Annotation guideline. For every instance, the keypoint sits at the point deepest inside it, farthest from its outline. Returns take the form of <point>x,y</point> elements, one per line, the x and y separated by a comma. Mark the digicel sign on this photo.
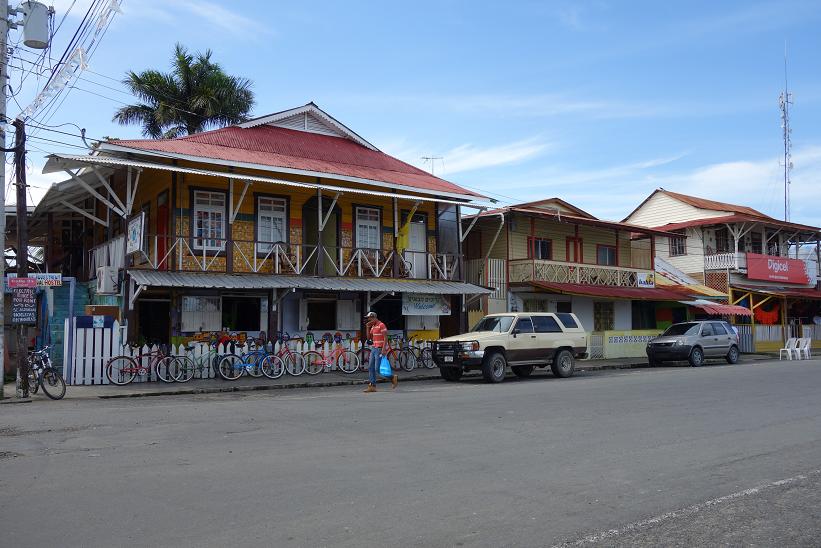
<point>777,269</point>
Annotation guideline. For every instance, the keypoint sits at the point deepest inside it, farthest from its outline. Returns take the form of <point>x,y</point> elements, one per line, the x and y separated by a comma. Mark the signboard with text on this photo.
<point>420,304</point>
<point>43,279</point>
<point>646,279</point>
<point>24,301</point>
<point>777,269</point>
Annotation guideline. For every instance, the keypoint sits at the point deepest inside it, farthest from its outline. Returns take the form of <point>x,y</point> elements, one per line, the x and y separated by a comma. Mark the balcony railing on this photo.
<point>724,261</point>
<point>186,253</point>
<point>527,270</point>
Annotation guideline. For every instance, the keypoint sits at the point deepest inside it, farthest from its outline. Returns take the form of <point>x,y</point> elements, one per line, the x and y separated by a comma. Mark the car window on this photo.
<point>524,325</point>
<point>499,324</point>
<point>567,320</point>
<point>707,331</point>
<point>689,328</point>
<point>545,324</point>
<point>718,328</point>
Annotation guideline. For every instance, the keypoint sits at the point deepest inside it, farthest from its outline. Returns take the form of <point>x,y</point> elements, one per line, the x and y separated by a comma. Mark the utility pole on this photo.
<point>22,247</point>
<point>4,30</point>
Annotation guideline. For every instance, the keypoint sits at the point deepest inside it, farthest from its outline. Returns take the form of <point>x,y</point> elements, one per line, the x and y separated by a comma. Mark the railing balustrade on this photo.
<point>526,270</point>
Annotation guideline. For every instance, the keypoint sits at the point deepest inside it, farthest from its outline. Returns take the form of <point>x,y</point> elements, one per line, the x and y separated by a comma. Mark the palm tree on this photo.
<point>196,95</point>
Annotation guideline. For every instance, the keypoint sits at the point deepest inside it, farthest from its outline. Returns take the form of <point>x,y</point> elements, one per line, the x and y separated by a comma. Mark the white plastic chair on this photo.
<point>804,348</point>
<point>790,349</point>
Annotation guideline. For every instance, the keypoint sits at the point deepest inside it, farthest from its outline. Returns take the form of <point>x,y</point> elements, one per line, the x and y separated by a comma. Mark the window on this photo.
<point>678,246</point>
<point>606,255</point>
<point>322,315</point>
<point>209,220</point>
<point>524,325</point>
<point>368,227</point>
<point>545,324</point>
<point>241,313</point>
<point>707,330</point>
<point>272,222</point>
<point>539,248</point>
<point>688,328</point>
<point>719,328</point>
<point>494,323</point>
<point>756,245</point>
<point>723,241</point>
<point>567,320</point>
<point>200,314</point>
<point>574,250</point>
<point>603,316</point>
<point>534,305</point>
<point>564,306</point>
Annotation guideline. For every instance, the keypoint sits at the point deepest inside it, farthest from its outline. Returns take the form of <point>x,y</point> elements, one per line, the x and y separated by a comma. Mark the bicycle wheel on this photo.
<point>364,358</point>
<point>183,368</point>
<point>254,362</point>
<point>314,362</point>
<point>294,363</point>
<point>121,370</point>
<point>426,358</point>
<point>53,384</point>
<point>230,367</point>
<point>34,381</point>
<point>272,366</point>
<point>407,360</point>
<point>348,362</point>
<point>167,369</point>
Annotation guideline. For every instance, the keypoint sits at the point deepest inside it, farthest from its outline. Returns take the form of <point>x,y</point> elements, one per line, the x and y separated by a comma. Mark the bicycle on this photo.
<point>395,357</point>
<point>122,370</point>
<point>256,363</point>
<point>423,356</point>
<point>346,360</point>
<point>294,361</point>
<point>183,368</point>
<point>42,373</point>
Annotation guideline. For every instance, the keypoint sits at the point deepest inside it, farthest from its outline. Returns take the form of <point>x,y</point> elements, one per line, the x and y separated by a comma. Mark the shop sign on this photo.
<point>134,233</point>
<point>646,279</point>
<point>15,282</point>
<point>777,269</point>
<point>44,279</point>
<point>23,301</point>
<point>421,304</point>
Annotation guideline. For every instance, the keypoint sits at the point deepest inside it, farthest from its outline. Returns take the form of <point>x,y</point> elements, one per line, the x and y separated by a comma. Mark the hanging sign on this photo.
<point>23,300</point>
<point>44,279</point>
<point>134,233</point>
<point>646,279</point>
<point>422,304</point>
<point>777,269</point>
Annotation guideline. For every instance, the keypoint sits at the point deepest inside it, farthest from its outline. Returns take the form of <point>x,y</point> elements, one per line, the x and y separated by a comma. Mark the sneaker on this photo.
<point>370,388</point>
<point>394,381</point>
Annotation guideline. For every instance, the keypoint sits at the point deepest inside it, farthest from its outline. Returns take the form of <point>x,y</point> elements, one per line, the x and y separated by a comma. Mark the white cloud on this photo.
<point>228,20</point>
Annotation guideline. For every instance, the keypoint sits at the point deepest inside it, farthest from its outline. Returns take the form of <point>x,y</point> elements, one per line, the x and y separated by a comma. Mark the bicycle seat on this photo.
<point>189,348</point>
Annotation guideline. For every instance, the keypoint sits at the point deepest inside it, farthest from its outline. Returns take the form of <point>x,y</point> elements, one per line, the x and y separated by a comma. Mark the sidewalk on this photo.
<point>324,380</point>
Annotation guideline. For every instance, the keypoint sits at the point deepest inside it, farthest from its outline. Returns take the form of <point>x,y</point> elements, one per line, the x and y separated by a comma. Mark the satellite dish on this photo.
<point>35,25</point>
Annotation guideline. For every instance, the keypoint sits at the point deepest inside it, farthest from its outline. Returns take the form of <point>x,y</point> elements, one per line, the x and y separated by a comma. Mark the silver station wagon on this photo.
<point>695,342</point>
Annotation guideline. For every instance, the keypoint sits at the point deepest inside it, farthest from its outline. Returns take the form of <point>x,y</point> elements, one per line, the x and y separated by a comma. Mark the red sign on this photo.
<point>22,282</point>
<point>777,269</point>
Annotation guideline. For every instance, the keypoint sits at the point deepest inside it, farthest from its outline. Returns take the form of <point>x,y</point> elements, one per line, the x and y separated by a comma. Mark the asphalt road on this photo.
<point>719,455</point>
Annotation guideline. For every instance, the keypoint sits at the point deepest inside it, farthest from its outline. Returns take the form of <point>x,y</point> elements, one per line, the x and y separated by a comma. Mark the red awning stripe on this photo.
<point>715,309</point>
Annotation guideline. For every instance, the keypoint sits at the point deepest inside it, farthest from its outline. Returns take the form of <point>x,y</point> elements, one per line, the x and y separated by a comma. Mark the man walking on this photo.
<point>377,334</point>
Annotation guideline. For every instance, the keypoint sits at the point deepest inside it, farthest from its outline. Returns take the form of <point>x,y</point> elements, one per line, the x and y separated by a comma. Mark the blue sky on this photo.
<point>598,103</point>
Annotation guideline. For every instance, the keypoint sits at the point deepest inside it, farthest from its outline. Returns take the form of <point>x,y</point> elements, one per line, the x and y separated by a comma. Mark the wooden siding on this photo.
<point>662,209</point>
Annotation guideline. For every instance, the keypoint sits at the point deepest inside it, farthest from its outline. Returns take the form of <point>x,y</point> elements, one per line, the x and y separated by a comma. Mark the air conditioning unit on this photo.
<point>106,280</point>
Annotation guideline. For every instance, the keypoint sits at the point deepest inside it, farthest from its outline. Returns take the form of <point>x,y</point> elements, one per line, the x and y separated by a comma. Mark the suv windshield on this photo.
<point>681,329</point>
<point>494,323</point>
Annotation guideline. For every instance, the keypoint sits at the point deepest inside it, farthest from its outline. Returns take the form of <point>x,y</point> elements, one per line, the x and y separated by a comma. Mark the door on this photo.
<point>548,333</point>
<point>521,343</point>
<point>416,253</point>
<point>709,341</point>
<point>723,338</point>
<point>320,263</point>
<point>162,230</point>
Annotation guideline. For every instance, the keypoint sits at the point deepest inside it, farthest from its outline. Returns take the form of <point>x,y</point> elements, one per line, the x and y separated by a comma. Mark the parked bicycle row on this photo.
<point>258,359</point>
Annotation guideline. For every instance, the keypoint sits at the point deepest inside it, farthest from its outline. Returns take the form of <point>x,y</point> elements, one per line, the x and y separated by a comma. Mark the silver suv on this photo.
<point>695,342</point>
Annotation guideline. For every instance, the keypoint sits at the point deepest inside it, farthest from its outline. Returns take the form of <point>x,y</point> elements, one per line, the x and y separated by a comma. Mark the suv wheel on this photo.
<point>450,374</point>
<point>493,368</point>
<point>522,371</point>
<point>696,357</point>
<point>732,355</point>
<point>563,364</point>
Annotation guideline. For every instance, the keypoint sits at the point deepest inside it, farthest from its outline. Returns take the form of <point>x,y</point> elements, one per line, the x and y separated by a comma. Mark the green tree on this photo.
<point>195,96</point>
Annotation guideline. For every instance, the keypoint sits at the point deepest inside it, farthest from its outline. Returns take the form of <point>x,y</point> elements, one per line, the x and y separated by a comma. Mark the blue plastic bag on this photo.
<point>385,367</point>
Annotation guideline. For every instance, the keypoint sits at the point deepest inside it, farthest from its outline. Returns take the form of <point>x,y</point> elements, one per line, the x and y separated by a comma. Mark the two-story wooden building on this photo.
<point>769,266</point>
<point>289,222</point>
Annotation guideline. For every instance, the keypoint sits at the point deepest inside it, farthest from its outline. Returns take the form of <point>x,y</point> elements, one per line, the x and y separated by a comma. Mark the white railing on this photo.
<point>724,261</point>
<point>558,272</point>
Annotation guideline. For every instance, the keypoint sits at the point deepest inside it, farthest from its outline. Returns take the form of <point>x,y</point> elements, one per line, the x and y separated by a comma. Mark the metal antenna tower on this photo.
<point>432,160</point>
<point>784,101</point>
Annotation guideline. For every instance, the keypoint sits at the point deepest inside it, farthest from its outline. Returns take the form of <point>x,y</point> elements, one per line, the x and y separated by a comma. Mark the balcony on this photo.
<point>187,254</point>
<point>527,270</point>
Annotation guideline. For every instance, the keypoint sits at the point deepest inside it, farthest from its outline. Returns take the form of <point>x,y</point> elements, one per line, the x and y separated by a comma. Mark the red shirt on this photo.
<point>378,333</point>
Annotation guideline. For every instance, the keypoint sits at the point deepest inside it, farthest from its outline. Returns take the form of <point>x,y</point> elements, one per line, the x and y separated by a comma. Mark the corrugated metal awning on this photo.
<point>207,280</point>
<point>718,309</point>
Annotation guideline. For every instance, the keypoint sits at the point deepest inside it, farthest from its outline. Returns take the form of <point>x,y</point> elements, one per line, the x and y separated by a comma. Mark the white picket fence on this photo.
<point>93,347</point>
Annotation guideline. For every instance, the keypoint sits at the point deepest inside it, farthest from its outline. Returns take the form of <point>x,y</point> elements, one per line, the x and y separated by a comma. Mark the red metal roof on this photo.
<point>716,309</point>
<point>735,218</point>
<point>301,150</point>
<point>704,203</point>
<point>633,293</point>
<point>793,292</point>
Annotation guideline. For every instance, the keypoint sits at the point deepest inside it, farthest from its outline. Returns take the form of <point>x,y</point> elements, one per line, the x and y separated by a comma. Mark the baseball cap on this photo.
<point>370,314</point>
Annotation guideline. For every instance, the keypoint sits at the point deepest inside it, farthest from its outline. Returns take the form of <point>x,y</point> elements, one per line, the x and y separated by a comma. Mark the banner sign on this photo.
<point>24,304</point>
<point>421,304</point>
<point>646,279</point>
<point>15,282</point>
<point>134,234</point>
<point>44,279</point>
<point>777,269</point>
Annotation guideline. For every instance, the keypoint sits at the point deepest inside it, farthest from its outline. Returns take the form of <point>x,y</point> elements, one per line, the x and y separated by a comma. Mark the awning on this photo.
<point>809,293</point>
<point>716,309</point>
<point>207,280</point>
<point>613,292</point>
